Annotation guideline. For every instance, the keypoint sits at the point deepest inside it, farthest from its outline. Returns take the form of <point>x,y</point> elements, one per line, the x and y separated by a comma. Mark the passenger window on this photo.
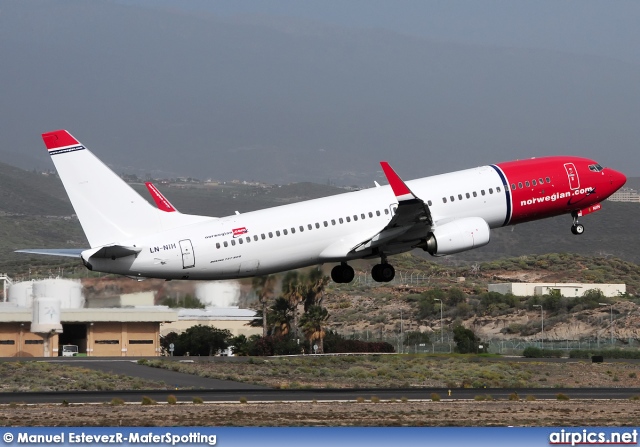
<point>513,186</point>
<point>520,185</point>
<point>225,244</point>
<point>301,228</point>
<point>293,230</point>
<point>370,214</point>
<point>240,241</point>
<point>394,209</point>
<point>285,232</point>
<point>263,236</point>
<point>429,203</point>
<point>333,221</point>
<point>377,213</point>
<point>475,194</point>
<point>217,244</point>
<point>548,180</point>
<point>326,224</point>
<point>341,220</point>
<point>452,199</point>
<point>459,196</point>
<point>526,184</point>
<point>317,225</point>
<point>386,211</point>
<point>482,191</point>
<point>490,190</point>
<point>540,181</point>
<point>255,238</point>
<point>278,233</point>
<point>348,219</point>
<point>270,234</point>
<point>362,216</point>
<point>533,182</point>
<point>498,189</point>
<point>309,226</point>
<point>233,242</point>
<point>444,200</point>
<point>355,217</point>
<point>248,239</point>
<point>468,195</point>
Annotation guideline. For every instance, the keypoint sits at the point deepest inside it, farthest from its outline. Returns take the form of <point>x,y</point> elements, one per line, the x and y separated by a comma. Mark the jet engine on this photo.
<point>456,236</point>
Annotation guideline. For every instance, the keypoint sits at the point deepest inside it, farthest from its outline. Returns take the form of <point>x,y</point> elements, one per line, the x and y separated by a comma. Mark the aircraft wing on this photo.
<point>66,252</point>
<point>411,211</point>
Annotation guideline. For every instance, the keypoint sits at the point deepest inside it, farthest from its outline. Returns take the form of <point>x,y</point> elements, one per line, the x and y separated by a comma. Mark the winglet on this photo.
<point>58,139</point>
<point>161,201</point>
<point>400,188</point>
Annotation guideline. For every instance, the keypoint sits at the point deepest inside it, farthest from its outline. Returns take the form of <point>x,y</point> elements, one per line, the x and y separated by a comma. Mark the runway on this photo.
<point>214,390</point>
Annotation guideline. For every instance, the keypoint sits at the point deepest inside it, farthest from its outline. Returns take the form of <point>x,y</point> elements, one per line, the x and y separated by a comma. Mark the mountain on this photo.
<point>165,92</point>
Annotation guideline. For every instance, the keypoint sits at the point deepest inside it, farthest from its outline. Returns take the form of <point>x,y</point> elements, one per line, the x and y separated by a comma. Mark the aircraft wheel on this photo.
<point>387,272</point>
<point>375,273</point>
<point>577,229</point>
<point>342,274</point>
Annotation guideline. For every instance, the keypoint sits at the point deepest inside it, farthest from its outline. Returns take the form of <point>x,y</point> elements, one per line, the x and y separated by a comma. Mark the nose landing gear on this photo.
<point>576,228</point>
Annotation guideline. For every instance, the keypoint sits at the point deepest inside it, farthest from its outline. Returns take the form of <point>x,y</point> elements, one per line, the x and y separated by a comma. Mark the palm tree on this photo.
<point>292,291</point>
<point>312,323</point>
<point>315,283</point>
<point>264,285</point>
<point>280,315</point>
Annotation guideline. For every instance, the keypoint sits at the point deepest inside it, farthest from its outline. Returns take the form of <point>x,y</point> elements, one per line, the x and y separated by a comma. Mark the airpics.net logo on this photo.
<point>557,196</point>
<point>588,437</point>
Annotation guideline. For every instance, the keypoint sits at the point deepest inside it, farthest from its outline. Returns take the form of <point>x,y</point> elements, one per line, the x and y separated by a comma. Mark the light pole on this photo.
<point>542,315</point>
<point>441,326</point>
<point>610,319</point>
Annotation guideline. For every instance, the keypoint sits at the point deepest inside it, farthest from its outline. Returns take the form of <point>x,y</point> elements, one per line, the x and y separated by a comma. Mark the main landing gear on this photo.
<point>382,272</point>
<point>576,228</point>
<point>342,273</point>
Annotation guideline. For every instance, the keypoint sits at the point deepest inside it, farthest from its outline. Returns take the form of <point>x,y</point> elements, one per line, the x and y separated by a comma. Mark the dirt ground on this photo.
<point>443,413</point>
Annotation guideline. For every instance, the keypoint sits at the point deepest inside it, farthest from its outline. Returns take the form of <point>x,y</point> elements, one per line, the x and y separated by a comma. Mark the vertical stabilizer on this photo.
<point>109,210</point>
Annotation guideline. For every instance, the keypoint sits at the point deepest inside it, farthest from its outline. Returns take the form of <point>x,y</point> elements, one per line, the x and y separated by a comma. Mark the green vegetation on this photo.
<point>43,376</point>
<point>533,352</point>
<point>606,353</point>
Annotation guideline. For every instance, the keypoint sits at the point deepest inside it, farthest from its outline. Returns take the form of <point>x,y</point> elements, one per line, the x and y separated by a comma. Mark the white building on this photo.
<point>566,289</point>
<point>625,195</point>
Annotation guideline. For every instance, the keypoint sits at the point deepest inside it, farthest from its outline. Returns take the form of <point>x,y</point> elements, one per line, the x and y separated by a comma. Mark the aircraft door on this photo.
<point>188,259</point>
<point>572,173</point>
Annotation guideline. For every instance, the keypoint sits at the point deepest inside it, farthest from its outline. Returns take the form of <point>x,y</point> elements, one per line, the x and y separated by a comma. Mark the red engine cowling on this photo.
<point>456,236</point>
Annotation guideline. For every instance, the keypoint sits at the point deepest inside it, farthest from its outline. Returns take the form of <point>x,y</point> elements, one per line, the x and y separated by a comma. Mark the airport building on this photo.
<point>38,318</point>
<point>571,290</point>
<point>625,195</point>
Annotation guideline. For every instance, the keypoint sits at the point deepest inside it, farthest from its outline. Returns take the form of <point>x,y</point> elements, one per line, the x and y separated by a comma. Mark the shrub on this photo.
<point>514,396</point>
<point>375,399</point>
<point>530,398</point>
<point>561,396</point>
<point>198,400</point>
<point>243,400</point>
<point>360,400</point>
<point>117,401</point>
<point>435,397</point>
<point>148,401</point>
<point>172,400</point>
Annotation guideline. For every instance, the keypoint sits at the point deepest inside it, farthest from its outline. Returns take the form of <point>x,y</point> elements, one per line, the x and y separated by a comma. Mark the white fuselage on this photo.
<point>305,233</point>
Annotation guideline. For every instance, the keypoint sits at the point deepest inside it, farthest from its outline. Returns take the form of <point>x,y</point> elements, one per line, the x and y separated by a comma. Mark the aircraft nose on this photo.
<point>618,179</point>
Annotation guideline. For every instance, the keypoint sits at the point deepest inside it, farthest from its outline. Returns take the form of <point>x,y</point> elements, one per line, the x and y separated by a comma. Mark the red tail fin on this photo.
<point>161,201</point>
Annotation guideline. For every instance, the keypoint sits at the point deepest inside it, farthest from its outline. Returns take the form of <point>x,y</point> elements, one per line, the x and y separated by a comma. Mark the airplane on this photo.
<point>442,214</point>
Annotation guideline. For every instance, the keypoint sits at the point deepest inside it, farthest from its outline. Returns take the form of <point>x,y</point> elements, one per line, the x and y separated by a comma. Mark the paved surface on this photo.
<point>172,378</point>
<point>253,395</point>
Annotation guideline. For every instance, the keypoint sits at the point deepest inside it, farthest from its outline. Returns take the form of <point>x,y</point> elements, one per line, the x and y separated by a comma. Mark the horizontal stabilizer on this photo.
<point>66,252</point>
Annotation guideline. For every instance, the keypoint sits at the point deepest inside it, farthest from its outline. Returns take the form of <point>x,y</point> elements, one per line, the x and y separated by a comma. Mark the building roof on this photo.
<point>217,313</point>
<point>151,314</point>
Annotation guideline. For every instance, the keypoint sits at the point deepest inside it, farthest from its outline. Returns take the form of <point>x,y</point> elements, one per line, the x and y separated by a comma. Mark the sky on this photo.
<point>290,91</point>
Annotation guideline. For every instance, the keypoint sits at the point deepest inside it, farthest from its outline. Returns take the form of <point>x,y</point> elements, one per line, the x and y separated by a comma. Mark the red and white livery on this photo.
<point>442,214</point>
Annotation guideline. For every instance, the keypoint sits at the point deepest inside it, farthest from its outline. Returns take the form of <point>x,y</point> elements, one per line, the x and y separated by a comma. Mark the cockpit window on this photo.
<point>595,168</point>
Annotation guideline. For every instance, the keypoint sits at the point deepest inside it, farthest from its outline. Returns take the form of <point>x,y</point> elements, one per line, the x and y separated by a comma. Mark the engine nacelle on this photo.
<point>456,236</point>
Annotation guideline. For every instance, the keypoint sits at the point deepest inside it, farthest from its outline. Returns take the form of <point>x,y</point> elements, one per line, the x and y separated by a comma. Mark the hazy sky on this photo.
<point>600,27</point>
<point>285,91</point>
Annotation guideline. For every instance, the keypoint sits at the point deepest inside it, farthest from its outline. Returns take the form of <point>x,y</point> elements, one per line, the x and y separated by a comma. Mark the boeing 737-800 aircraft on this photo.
<point>442,215</point>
